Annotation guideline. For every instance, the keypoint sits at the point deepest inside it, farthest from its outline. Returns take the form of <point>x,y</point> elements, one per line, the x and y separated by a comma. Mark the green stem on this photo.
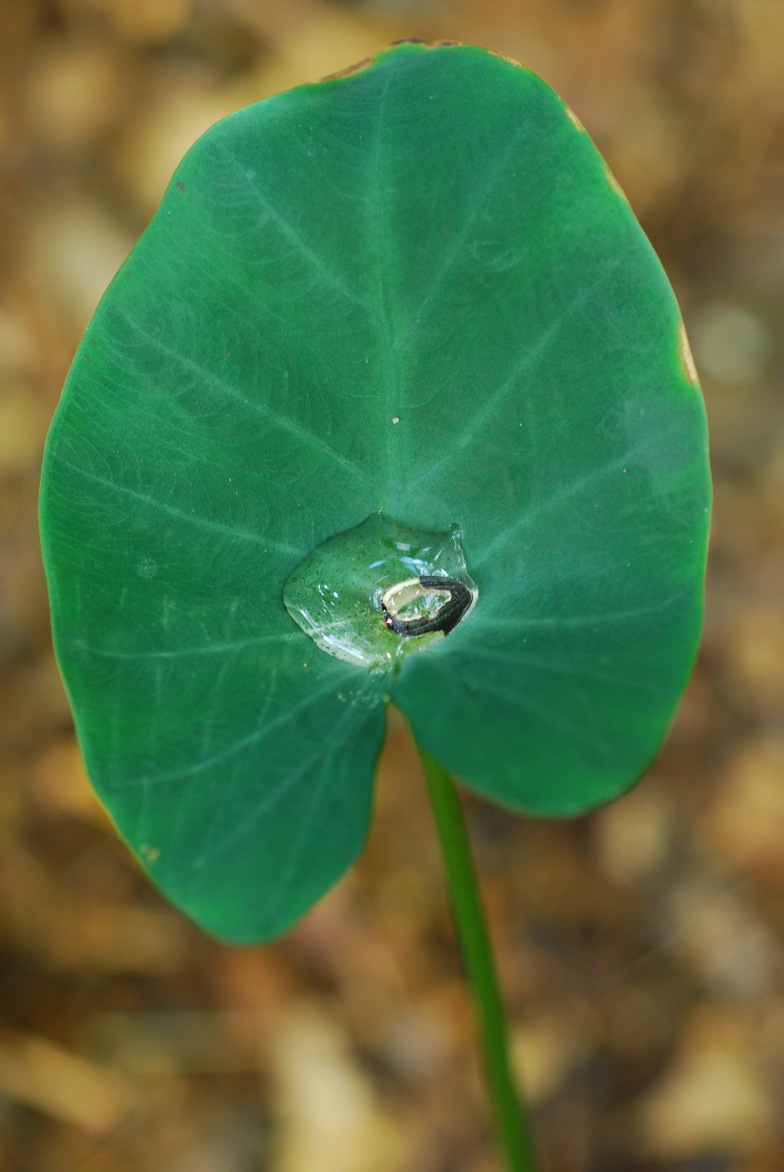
<point>510,1114</point>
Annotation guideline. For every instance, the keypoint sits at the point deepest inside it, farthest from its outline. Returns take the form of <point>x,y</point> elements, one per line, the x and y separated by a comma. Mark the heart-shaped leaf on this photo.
<point>412,291</point>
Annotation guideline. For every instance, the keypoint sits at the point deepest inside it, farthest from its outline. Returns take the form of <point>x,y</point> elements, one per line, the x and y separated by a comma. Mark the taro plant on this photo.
<point>391,404</point>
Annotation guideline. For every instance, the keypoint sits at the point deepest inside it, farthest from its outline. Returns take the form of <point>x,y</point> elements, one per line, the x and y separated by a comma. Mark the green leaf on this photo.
<point>416,291</point>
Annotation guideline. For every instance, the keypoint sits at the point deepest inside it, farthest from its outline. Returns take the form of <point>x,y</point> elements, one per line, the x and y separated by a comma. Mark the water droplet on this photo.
<point>360,594</point>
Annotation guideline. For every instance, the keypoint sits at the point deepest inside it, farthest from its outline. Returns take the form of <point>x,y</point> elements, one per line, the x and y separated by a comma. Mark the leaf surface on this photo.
<point>414,290</point>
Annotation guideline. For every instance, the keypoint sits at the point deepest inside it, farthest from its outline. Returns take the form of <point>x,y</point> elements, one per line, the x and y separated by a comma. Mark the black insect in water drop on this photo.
<point>456,604</point>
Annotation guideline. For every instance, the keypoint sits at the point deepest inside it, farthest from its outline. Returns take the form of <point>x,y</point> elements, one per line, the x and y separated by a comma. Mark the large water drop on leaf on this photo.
<point>364,594</point>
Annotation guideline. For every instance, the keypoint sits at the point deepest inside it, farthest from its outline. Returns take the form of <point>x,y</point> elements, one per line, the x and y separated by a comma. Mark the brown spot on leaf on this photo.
<point>509,60</point>
<point>613,182</point>
<point>570,114</point>
<point>427,44</point>
<point>365,63</point>
<point>180,186</point>
<point>687,358</point>
<point>369,61</point>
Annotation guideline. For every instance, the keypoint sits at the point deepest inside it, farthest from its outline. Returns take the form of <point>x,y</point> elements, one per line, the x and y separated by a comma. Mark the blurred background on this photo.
<point>642,948</point>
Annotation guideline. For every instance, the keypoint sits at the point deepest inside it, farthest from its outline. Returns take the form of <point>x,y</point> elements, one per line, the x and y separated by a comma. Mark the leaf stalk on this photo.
<point>510,1114</point>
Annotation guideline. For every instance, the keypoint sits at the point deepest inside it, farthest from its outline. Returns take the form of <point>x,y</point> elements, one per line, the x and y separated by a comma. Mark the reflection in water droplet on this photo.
<point>380,591</point>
